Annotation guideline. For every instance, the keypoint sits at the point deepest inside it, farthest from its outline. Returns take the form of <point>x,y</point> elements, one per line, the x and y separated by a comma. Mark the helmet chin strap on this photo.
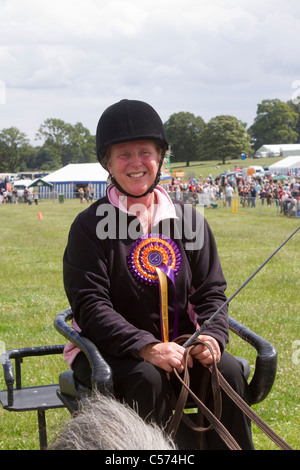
<point>149,190</point>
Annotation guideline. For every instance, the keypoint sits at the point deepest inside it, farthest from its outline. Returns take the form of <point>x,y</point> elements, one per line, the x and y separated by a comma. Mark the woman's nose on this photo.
<point>135,158</point>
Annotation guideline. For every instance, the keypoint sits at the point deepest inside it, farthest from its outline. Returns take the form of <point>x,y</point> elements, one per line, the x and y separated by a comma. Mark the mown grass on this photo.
<point>32,294</point>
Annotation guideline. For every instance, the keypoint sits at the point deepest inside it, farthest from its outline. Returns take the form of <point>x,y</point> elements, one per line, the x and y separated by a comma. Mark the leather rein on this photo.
<point>217,383</point>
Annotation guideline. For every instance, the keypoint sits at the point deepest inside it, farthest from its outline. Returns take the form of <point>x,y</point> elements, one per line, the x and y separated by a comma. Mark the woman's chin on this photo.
<point>136,189</point>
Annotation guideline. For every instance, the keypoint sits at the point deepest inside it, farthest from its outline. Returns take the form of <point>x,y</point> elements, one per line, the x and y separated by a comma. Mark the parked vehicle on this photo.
<point>253,170</point>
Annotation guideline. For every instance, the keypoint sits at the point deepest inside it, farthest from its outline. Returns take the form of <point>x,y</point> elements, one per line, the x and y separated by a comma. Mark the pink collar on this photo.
<point>164,208</point>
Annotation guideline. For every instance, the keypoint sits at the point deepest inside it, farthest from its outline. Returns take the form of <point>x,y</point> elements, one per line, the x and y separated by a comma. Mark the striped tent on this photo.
<point>68,179</point>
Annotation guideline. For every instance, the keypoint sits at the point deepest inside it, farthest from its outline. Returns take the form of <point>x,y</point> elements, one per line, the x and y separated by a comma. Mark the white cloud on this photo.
<point>70,59</point>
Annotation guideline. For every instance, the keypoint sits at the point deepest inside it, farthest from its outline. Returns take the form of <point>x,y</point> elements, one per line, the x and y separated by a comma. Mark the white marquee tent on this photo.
<point>287,166</point>
<point>280,150</point>
<point>66,180</point>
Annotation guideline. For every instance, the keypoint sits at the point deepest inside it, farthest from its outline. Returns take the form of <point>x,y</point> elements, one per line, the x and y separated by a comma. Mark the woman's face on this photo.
<point>134,165</point>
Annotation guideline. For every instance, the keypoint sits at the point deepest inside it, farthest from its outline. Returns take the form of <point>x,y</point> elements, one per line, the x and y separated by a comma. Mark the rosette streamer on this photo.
<point>153,260</point>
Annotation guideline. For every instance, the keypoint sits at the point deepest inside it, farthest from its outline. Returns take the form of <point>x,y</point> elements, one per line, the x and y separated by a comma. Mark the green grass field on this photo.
<point>32,294</point>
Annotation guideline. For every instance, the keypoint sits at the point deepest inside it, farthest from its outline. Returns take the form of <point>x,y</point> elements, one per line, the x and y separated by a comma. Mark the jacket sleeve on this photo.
<point>87,287</point>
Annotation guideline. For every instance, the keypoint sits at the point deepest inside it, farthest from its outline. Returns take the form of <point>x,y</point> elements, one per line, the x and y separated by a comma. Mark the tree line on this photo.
<point>190,138</point>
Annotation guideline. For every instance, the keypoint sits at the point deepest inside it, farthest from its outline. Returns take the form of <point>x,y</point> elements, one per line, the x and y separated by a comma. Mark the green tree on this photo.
<point>48,158</point>
<point>183,130</point>
<point>275,123</point>
<point>14,147</point>
<point>64,143</point>
<point>82,144</point>
<point>224,137</point>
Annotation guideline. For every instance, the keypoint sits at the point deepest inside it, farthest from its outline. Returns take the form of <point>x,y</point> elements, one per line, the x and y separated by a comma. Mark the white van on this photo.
<point>253,171</point>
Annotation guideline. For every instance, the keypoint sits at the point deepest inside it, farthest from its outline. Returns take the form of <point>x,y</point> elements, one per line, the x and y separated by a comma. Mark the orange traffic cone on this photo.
<point>40,216</point>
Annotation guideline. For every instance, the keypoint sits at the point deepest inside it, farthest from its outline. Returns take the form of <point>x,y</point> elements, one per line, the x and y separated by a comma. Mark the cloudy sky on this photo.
<point>70,59</point>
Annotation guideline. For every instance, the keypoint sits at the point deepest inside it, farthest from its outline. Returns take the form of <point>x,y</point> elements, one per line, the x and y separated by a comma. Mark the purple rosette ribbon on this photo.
<point>153,260</point>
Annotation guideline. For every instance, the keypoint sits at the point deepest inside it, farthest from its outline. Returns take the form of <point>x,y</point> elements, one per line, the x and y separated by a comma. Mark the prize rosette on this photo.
<point>153,260</point>
<point>154,251</point>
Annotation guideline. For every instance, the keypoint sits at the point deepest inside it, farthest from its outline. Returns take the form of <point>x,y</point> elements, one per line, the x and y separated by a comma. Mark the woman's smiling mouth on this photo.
<point>137,175</point>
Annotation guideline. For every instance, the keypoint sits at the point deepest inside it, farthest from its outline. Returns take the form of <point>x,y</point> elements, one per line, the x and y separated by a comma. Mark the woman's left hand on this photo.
<point>202,354</point>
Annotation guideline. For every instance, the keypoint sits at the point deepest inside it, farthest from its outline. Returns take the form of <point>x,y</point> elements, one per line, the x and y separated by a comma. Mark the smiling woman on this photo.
<point>131,295</point>
<point>134,165</point>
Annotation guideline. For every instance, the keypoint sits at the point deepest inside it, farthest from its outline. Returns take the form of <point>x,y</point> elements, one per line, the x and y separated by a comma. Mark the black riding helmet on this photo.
<point>130,120</point>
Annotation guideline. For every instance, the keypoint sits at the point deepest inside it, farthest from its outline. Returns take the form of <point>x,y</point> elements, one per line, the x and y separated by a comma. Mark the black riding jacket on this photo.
<point>117,311</point>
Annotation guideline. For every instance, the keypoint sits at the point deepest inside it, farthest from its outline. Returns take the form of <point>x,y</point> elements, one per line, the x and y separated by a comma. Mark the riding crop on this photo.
<point>214,421</point>
<point>207,323</point>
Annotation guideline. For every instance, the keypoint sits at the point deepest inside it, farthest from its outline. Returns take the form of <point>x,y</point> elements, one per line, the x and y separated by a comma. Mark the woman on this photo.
<point>140,270</point>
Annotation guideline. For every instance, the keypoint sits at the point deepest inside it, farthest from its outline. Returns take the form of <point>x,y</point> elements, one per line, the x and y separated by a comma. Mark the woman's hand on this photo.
<point>165,355</point>
<point>202,354</point>
<point>170,355</point>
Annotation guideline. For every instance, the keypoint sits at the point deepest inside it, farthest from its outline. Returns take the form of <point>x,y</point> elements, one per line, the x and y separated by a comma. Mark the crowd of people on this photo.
<point>15,196</point>
<point>85,193</point>
<point>284,194</point>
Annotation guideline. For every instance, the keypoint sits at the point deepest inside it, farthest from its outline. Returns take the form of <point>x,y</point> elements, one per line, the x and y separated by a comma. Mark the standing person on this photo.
<point>91,193</point>
<point>3,195</point>
<point>81,194</point>
<point>87,194</point>
<point>15,196</point>
<point>252,195</point>
<point>129,250</point>
<point>26,195</point>
<point>229,194</point>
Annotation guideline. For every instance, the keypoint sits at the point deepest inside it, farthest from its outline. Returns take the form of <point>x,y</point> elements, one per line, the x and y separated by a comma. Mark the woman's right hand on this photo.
<point>165,355</point>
